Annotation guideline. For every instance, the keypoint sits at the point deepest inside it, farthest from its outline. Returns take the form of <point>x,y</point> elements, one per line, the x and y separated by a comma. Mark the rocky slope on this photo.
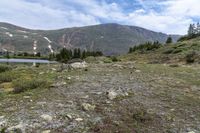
<point>109,38</point>
<point>123,97</point>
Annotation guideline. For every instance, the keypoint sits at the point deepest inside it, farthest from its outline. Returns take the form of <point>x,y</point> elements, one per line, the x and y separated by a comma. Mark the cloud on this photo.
<point>168,16</point>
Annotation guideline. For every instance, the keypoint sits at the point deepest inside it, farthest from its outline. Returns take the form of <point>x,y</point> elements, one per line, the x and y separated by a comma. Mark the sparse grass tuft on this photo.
<point>4,68</point>
<point>6,77</point>
<point>24,85</point>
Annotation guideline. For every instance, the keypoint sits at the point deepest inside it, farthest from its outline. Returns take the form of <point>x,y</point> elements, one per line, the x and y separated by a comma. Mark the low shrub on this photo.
<point>6,77</point>
<point>4,68</point>
<point>177,51</point>
<point>190,57</point>
<point>24,85</point>
<point>169,51</point>
<point>114,59</point>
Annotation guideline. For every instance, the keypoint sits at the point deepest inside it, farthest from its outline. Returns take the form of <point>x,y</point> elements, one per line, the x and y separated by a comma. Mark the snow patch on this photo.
<point>50,47</point>
<point>102,37</point>
<point>4,28</point>
<point>4,49</point>
<point>35,47</point>
<point>46,38</point>
<point>25,36</point>
<point>9,34</point>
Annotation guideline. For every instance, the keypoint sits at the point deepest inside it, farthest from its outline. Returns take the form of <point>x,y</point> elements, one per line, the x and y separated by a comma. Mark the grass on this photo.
<point>4,68</point>
<point>6,77</point>
<point>24,85</point>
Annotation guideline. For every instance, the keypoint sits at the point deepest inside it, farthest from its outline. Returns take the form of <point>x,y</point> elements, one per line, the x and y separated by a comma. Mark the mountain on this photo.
<point>111,39</point>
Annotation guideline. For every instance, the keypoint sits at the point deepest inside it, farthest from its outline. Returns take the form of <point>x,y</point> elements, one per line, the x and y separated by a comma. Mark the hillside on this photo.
<point>108,38</point>
<point>187,51</point>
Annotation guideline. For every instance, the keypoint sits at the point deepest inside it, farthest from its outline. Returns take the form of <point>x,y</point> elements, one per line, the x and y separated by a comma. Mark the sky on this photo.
<point>167,16</point>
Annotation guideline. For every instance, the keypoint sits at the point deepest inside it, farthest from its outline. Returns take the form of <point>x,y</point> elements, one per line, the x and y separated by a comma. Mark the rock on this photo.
<point>69,116</point>
<point>85,97</point>
<point>41,73</point>
<point>53,69</point>
<point>88,107</point>
<point>2,121</point>
<point>17,129</point>
<point>111,95</point>
<point>137,71</point>
<point>69,78</point>
<point>79,119</point>
<point>26,97</point>
<point>77,65</point>
<point>46,131</point>
<point>46,117</point>
<point>191,132</point>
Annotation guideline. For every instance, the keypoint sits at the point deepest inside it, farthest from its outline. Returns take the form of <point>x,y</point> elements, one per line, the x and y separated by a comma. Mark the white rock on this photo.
<point>69,116</point>
<point>137,71</point>
<point>88,107</point>
<point>46,117</point>
<point>78,65</point>
<point>19,128</point>
<point>111,95</point>
<point>191,132</point>
<point>79,119</point>
<point>69,78</point>
<point>46,131</point>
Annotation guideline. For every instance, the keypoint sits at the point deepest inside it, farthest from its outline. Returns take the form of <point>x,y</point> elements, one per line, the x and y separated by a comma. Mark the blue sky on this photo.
<point>168,16</point>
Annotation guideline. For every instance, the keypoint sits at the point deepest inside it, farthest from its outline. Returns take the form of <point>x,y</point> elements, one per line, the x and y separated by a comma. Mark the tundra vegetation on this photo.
<point>152,89</point>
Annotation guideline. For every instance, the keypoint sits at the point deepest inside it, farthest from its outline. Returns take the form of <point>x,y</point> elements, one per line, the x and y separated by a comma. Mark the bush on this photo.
<point>148,46</point>
<point>6,77</point>
<point>114,59</point>
<point>4,68</point>
<point>23,85</point>
<point>169,51</point>
<point>177,51</point>
<point>190,57</point>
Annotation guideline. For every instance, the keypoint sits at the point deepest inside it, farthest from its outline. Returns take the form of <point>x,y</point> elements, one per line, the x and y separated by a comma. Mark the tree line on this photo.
<point>67,54</point>
<point>145,47</point>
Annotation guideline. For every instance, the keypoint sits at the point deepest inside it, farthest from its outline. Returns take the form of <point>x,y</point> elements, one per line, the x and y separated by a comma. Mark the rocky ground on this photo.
<point>121,97</point>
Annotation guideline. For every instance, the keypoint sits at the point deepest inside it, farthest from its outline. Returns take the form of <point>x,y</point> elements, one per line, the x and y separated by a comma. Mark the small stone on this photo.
<point>69,116</point>
<point>27,97</point>
<point>41,73</point>
<point>46,131</point>
<point>69,78</point>
<point>137,71</point>
<point>85,97</point>
<point>191,132</point>
<point>111,95</point>
<point>53,69</point>
<point>46,117</point>
<point>79,119</point>
<point>88,107</point>
<point>17,129</point>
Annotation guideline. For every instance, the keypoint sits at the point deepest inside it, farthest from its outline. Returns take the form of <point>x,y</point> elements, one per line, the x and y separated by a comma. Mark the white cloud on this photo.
<point>169,16</point>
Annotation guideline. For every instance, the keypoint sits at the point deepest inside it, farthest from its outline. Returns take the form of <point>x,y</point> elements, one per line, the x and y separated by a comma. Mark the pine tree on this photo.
<point>169,40</point>
<point>84,54</point>
<point>191,29</point>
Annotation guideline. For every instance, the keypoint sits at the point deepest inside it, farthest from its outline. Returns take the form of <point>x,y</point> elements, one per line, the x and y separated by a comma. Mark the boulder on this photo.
<point>17,129</point>
<point>88,107</point>
<point>111,94</point>
<point>46,117</point>
<point>77,65</point>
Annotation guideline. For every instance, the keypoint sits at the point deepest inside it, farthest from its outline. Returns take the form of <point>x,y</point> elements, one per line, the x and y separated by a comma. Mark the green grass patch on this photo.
<point>24,85</point>
<point>4,68</point>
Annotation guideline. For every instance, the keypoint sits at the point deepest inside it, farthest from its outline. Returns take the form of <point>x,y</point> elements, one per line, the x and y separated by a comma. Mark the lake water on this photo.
<point>25,61</point>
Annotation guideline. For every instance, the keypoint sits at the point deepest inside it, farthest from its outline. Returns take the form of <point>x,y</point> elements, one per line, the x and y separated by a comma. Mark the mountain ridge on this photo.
<point>110,38</point>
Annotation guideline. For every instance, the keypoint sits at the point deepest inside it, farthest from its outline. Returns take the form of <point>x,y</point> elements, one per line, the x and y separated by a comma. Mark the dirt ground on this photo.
<point>121,97</point>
